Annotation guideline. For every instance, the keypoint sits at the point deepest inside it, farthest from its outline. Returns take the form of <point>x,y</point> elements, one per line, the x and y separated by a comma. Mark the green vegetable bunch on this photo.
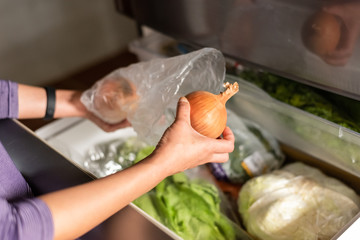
<point>191,208</point>
<point>109,157</point>
<point>301,96</point>
<point>316,102</point>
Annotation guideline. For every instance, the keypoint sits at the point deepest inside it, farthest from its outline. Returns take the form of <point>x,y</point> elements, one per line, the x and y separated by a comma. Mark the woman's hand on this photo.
<point>32,104</point>
<point>181,147</point>
<point>107,127</point>
<point>111,98</point>
<point>348,12</point>
<point>84,112</point>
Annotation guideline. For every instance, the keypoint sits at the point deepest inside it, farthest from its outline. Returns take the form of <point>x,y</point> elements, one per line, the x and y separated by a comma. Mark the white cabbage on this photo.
<point>297,202</point>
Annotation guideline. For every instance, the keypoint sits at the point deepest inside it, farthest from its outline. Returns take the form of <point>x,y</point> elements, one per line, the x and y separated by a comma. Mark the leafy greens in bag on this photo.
<point>256,152</point>
<point>115,155</point>
<point>191,208</point>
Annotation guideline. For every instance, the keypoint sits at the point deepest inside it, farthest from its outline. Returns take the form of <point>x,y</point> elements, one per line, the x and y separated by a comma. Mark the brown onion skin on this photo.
<point>208,113</point>
<point>208,121</point>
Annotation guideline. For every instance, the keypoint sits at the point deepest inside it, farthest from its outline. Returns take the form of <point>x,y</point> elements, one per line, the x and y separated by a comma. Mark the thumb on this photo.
<point>183,110</point>
<point>334,9</point>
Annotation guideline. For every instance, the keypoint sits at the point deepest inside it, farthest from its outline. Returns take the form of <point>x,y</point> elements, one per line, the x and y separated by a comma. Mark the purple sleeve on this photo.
<point>27,219</point>
<point>21,217</point>
<point>9,103</point>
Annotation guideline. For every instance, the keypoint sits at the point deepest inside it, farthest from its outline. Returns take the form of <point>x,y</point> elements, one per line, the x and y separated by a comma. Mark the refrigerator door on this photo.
<point>269,34</point>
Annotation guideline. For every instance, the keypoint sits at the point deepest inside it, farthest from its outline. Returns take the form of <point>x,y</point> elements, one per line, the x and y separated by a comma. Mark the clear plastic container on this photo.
<point>320,138</point>
<point>154,45</point>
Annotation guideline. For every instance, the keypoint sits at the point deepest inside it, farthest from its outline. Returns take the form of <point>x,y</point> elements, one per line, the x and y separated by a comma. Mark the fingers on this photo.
<point>122,124</point>
<point>219,158</point>
<point>336,61</point>
<point>225,144</point>
<point>228,134</point>
<point>344,49</point>
<point>219,149</point>
<point>107,127</point>
<point>183,110</point>
<point>336,8</point>
<point>222,147</point>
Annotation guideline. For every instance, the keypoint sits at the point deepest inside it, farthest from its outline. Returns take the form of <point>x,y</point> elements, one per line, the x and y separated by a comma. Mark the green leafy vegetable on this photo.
<point>301,96</point>
<point>111,156</point>
<point>256,152</point>
<point>343,147</point>
<point>191,208</point>
<point>143,153</point>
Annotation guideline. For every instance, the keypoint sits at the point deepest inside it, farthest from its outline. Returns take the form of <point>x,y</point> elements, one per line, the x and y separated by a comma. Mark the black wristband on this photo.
<point>50,103</point>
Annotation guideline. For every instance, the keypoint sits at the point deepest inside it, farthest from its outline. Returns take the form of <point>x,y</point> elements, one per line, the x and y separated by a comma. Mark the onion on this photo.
<point>208,112</point>
<point>113,98</point>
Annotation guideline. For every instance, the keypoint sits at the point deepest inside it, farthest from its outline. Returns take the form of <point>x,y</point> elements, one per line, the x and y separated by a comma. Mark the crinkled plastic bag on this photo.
<point>296,202</point>
<point>256,152</point>
<point>159,84</point>
<point>109,157</point>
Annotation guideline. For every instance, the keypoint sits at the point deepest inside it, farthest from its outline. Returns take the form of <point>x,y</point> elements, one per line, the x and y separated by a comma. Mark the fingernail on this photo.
<point>183,99</point>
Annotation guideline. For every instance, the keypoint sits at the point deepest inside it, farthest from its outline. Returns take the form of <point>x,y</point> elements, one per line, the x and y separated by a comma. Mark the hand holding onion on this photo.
<point>208,112</point>
<point>183,147</point>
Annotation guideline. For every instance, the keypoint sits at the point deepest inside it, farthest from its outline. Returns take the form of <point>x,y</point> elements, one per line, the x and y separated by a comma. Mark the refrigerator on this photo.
<point>264,36</point>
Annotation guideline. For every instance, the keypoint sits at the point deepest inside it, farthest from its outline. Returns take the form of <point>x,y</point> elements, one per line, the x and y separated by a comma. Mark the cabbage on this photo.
<point>297,202</point>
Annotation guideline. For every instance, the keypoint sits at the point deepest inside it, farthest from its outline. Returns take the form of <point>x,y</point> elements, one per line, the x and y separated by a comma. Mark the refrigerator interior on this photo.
<point>74,137</point>
<point>270,38</point>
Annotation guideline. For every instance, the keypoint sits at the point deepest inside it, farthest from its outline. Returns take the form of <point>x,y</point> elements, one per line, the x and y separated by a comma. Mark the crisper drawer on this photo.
<point>326,141</point>
<point>73,137</point>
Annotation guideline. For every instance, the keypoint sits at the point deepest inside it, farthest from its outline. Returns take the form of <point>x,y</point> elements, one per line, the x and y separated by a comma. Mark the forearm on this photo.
<point>32,103</point>
<point>78,209</point>
<point>94,202</point>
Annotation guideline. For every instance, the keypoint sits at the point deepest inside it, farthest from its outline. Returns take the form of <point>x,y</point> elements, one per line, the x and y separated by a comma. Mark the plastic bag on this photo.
<point>256,152</point>
<point>108,157</point>
<point>159,84</point>
<point>190,205</point>
<point>111,98</point>
<point>296,202</point>
<point>209,216</point>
